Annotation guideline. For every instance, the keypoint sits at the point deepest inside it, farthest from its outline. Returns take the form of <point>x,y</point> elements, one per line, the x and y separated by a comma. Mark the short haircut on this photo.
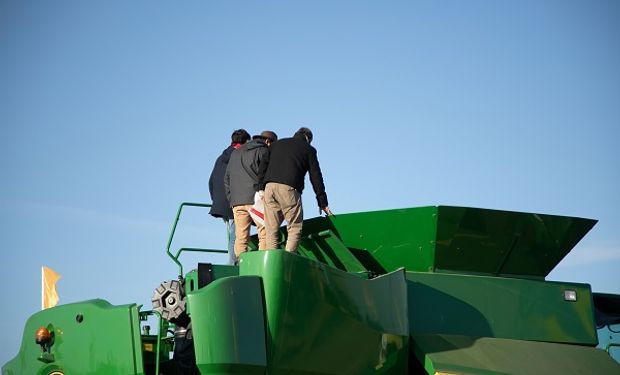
<point>269,136</point>
<point>306,132</point>
<point>240,136</point>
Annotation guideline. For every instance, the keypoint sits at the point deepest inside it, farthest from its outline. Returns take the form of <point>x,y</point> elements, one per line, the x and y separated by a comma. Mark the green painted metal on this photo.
<point>504,243</point>
<point>106,340</point>
<point>229,327</point>
<point>456,239</point>
<point>219,271</point>
<point>500,307</point>
<point>195,250</point>
<point>384,241</point>
<point>175,257</point>
<point>418,290</point>
<point>450,354</point>
<point>325,247</point>
<point>156,348</point>
<point>321,320</point>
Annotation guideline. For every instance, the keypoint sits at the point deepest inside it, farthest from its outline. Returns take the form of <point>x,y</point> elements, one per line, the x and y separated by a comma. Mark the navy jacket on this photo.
<point>289,159</point>
<point>221,207</point>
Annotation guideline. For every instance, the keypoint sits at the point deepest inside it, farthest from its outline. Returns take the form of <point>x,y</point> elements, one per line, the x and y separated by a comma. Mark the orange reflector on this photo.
<point>43,336</point>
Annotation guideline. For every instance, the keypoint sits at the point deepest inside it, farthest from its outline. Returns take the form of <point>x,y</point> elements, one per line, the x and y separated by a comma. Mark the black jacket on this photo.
<point>289,160</point>
<point>221,207</point>
<point>241,178</point>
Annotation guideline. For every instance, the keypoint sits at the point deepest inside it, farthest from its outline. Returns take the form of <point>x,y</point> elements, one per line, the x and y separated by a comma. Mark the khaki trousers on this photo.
<point>283,202</point>
<point>243,222</point>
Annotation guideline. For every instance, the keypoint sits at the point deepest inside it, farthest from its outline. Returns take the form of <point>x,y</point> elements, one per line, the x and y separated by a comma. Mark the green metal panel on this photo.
<point>106,341</point>
<point>384,241</point>
<point>219,271</point>
<point>229,327</point>
<point>290,314</point>
<point>321,320</point>
<point>156,348</point>
<point>326,248</point>
<point>448,354</point>
<point>500,307</point>
<point>456,239</point>
<point>504,242</point>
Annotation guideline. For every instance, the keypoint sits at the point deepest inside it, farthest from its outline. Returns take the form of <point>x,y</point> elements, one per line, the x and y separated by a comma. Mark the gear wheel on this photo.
<point>169,300</point>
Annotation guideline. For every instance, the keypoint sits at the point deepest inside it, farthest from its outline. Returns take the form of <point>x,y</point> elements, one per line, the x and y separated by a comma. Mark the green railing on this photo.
<point>163,342</point>
<point>175,257</point>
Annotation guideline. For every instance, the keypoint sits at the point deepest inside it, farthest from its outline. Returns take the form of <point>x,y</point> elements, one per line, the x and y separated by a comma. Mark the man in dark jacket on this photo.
<point>241,186</point>
<point>283,180</point>
<point>220,205</point>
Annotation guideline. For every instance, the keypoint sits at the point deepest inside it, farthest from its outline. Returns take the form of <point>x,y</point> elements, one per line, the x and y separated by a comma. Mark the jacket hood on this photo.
<point>253,144</point>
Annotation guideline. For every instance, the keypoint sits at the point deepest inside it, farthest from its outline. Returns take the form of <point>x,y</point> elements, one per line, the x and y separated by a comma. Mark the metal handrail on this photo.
<point>175,258</point>
<point>192,249</point>
<point>160,339</point>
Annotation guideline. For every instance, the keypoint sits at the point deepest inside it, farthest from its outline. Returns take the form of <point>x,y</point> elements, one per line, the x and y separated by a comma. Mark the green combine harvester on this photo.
<point>428,290</point>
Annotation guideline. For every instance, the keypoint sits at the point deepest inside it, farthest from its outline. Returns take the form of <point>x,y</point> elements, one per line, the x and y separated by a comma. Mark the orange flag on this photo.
<point>49,296</point>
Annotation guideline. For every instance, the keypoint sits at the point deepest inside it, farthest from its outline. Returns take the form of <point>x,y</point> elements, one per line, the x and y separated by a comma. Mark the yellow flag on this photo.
<point>49,296</point>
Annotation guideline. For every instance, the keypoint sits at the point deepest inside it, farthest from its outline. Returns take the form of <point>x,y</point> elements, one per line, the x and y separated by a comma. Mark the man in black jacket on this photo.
<point>241,186</point>
<point>283,181</point>
<point>220,205</point>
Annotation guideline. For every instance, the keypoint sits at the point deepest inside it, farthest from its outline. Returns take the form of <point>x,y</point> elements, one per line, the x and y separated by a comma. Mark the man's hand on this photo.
<point>325,209</point>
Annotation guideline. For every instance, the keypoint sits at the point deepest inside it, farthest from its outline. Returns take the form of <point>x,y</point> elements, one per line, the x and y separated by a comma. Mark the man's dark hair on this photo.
<point>305,132</point>
<point>240,136</point>
<point>268,135</point>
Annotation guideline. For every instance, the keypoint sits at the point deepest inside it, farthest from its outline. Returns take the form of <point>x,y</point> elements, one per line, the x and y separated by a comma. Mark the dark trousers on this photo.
<point>184,356</point>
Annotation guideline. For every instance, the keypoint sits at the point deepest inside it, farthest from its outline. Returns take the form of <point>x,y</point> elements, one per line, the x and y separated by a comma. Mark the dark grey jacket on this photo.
<point>241,178</point>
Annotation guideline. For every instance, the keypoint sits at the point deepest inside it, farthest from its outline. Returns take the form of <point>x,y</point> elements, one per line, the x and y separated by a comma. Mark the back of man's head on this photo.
<point>269,136</point>
<point>240,136</point>
<point>306,133</point>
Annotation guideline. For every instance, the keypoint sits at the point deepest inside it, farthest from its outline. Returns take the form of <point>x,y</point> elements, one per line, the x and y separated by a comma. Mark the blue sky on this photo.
<point>112,113</point>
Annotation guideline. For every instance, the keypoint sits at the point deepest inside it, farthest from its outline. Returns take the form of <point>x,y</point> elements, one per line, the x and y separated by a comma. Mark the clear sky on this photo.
<point>112,113</point>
